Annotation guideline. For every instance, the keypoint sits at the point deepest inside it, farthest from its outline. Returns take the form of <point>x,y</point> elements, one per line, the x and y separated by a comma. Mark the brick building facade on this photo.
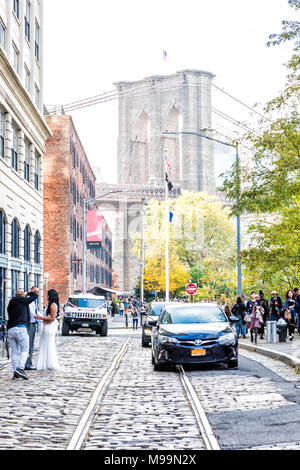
<point>68,180</point>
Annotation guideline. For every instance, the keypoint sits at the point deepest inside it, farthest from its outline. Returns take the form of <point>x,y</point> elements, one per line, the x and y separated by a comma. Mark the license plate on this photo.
<point>85,325</point>
<point>198,352</point>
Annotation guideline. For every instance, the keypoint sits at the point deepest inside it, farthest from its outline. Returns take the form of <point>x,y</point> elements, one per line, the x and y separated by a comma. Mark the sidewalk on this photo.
<point>119,322</point>
<point>288,352</point>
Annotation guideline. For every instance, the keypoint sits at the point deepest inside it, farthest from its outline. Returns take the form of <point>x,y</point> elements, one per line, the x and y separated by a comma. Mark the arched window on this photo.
<point>37,243</point>
<point>27,243</point>
<point>15,239</point>
<point>2,233</point>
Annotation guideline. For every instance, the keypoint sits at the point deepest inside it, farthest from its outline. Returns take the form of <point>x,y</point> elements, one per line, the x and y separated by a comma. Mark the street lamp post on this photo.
<point>238,218</point>
<point>86,202</point>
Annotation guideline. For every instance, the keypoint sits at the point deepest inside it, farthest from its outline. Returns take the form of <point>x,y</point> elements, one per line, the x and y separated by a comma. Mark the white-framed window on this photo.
<point>2,34</point>
<point>36,170</point>
<point>27,78</point>
<point>37,41</point>
<point>37,96</point>
<point>16,8</point>
<point>16,56</point>
<point>2,132</point>
<point>26,160</point>
<point>14,148</point>
<point>27,20</point>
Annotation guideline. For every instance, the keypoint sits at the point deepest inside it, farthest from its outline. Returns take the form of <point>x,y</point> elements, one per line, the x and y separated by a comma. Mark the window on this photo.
<point>27,244</point>
<point>14,282</point>
<point>37,41</point>
<point>27,78</point>
<point>26,282</point>
<point>2,234</point>
<point>37,244</point>
<point>27,20</point>
<point>2,35</point>
<point>37,279</point>
<point>37,96</point>
<point>2,293</point>
<point>2,132</point>
<point>15,57</point>
<point>16,7</point>
<point>26,161</point>
<point>36,170</point>
<point>14,149</point>
<point>15,239</point>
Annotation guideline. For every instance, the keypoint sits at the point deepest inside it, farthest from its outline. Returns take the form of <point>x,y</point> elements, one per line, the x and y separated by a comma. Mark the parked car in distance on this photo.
<point>153,314</point>
<point>193,334</point>
<point>84,312</point>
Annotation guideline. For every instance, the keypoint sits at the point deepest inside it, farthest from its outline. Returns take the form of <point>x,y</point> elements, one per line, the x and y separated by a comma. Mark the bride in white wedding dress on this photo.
<point>47,356</point>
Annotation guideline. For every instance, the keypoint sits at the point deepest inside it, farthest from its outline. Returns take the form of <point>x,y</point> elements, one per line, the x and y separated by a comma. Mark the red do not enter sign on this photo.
<point>191,289</point>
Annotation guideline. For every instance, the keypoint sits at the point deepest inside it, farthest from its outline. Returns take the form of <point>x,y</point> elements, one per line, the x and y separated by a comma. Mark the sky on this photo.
<point>92,44</point>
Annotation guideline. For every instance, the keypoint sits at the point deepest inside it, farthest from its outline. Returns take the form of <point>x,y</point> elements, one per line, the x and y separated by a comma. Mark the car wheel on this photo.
<point>233,364</point>
<point>157,367</point>
<point>65,330</point>
<point>145,343</point>
<point>104,329</point>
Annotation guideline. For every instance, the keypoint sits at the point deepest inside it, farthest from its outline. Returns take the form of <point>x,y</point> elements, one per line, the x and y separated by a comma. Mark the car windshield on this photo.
<point>194,315</point>
<point>155,310</point>
<point>85,303</point>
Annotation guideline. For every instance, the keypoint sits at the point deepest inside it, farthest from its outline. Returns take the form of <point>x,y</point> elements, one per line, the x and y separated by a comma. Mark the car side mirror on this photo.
<point>152,322</point>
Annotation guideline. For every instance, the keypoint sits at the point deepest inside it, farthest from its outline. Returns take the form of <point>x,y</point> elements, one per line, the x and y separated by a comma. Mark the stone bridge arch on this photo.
<point>163,99</point>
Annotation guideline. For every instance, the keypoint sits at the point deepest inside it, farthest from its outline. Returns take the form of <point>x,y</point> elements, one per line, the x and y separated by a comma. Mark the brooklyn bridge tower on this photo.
<point>147,108</point>
<point>179,102</point>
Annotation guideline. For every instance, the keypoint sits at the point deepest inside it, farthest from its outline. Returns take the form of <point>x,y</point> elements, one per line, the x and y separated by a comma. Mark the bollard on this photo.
<point>274,332</point>
<point>271,331</point>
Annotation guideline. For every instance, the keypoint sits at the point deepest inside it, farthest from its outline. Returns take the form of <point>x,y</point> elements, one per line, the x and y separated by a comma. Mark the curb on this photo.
<point>292,361</point>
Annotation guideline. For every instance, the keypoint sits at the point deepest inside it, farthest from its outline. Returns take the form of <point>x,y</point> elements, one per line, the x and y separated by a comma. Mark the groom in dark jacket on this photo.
<point>18,325</point>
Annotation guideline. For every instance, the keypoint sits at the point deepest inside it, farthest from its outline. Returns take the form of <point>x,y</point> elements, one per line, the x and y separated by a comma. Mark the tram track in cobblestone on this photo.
<point>93,411</point>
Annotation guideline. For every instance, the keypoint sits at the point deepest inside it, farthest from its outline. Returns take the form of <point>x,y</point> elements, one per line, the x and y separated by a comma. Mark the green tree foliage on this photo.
<point>270,183</point>
<point>201,247</point>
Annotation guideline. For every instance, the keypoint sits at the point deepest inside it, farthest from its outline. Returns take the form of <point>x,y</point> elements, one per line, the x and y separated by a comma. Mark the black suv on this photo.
<point>153,314</point>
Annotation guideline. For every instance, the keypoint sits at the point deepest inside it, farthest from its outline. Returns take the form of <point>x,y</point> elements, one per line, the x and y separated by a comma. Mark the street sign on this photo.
<point>191,289</point>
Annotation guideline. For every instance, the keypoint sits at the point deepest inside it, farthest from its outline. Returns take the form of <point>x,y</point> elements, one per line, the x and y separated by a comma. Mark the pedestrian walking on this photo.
<point>121,308</point>
<point>238,310</point>
<point>34,310</point>
<point>47,356</point>
<point>290,313</point>
<point>227,311</point>
<point>256,320</point>
<point>135,318</point>
<point>275,306</point>
<point>128,313</point>
<point>18,325</point>
<point>265,306</point>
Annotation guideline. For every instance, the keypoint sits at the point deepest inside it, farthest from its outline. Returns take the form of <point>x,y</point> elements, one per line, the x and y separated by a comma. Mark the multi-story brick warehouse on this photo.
<point>23,132</point>
<point>68,180</point>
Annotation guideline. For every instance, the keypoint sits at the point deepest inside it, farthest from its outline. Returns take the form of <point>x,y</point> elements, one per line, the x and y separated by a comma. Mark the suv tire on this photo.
<point>104,329</point>
<point>65,329</point>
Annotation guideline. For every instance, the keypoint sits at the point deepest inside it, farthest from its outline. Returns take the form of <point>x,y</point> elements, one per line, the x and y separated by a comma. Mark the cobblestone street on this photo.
<point>143,409</point>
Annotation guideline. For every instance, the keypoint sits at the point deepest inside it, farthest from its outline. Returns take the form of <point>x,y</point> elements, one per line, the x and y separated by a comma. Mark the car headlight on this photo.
<point>103,315</point>
<point>167,339</point>
<point>227,339</point>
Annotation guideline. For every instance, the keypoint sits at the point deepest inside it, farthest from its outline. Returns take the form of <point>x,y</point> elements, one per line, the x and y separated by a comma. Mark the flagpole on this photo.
<point>167,229</point>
